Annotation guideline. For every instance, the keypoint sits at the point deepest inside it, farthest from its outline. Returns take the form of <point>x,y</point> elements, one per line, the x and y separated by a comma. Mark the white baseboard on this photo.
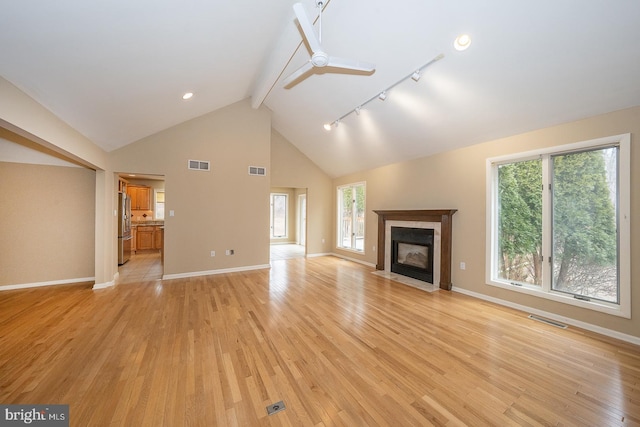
<point>368,264</point>
<point>319,255</point>
<point>212,272</point>
<point>107,284</point>
<point>577,323</point>
<point>49,283</point>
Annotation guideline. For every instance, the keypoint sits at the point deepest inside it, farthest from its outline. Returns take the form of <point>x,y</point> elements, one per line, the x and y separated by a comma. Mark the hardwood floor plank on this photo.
<point>339,345</point>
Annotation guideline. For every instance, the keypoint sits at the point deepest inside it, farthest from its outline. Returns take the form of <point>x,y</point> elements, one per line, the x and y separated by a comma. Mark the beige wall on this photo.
<point>222,209</point>
<point>47,226</point>
<point>291,168</point>
<point>456,179</point>
<point>23,116</point>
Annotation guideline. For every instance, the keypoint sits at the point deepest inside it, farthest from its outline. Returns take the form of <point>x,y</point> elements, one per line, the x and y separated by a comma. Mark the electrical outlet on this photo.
<point>463,266</point>
<point>213,253</point>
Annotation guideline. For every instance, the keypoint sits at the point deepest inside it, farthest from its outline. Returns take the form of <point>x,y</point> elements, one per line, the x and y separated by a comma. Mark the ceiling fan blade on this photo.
<point>298,73</point>
<point>350,64</point>
<point>307,27</point>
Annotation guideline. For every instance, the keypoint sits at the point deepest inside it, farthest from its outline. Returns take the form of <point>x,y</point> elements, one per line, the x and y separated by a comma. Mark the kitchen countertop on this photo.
<point>149,222</point>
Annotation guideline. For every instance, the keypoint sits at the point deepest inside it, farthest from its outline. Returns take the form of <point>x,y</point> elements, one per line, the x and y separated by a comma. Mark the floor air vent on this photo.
<point>199,165</point>
<point>547,321</point>
<point>276,407</point>
<point>257,170</point>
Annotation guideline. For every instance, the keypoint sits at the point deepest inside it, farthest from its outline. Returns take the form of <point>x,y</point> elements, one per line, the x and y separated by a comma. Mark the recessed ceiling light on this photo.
<point>187,95</point>
<point>462,42</point>
<point>327,126</point>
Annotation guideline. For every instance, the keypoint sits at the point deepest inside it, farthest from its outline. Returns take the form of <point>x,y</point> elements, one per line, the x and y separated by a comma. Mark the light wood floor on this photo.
<point>337,344</point>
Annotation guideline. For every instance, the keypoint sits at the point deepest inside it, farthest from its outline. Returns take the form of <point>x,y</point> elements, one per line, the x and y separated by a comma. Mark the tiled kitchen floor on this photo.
<point>142,266</point>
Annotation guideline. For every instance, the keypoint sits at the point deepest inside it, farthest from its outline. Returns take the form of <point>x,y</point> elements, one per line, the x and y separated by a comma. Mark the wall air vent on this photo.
<point>257,170</point>
<point>199,165</point>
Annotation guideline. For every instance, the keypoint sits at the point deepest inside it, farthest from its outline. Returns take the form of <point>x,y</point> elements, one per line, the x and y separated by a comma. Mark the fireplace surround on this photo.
<point>441,220</point>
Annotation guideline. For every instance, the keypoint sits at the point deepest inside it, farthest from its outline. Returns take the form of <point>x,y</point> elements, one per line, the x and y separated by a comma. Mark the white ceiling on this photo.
<point>115,70</point>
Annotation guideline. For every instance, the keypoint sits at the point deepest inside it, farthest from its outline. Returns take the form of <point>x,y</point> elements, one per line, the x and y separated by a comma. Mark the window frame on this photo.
<point>339,190</point>
<point>156,204</point>
<point>621,309</point>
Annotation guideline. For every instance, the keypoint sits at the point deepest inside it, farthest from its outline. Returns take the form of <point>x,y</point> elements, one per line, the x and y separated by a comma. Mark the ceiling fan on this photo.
<point>319,57</point>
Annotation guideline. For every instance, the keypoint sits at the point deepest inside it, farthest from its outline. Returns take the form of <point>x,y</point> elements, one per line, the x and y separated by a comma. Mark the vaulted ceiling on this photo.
<point>116,70</point>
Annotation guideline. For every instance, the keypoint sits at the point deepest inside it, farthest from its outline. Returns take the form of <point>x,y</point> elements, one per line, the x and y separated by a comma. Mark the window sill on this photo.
<point>601,306</point>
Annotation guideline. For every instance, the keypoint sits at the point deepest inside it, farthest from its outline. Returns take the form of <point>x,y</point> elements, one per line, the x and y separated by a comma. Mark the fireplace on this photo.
<point>439,221</point>
<point>412,252</point>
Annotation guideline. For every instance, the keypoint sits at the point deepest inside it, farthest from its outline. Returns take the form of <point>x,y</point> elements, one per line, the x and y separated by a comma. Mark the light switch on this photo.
<point>171,212</point>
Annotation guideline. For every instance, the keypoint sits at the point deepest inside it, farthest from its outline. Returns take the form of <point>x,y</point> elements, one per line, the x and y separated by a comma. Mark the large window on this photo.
<point>351,202</point>
<point>558,224</point>
<point>279,209</point>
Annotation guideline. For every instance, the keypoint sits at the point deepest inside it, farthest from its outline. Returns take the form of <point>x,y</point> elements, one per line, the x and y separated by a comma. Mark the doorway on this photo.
<point>288,224</point>
<point>145,195</point>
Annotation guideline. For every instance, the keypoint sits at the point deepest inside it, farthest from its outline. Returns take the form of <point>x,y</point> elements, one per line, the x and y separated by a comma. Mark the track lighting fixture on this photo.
<point>383,95</point>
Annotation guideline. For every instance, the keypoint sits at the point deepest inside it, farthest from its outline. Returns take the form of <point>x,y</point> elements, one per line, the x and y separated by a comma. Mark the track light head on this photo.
<point>416,75</point>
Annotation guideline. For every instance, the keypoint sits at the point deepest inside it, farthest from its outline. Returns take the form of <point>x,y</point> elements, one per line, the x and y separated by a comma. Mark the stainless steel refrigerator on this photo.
<point>124,228</point>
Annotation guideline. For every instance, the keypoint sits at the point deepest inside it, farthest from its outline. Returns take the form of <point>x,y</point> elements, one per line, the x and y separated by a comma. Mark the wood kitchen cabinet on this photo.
<point>145,237</point>
<point>140,197</point>
<point>158,238</point>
